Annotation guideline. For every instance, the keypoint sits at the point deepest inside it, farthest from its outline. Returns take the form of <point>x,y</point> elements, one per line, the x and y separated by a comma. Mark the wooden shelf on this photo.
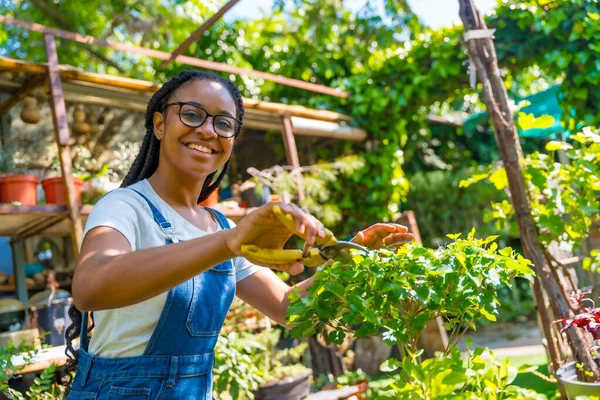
<point>24,221</point>
<point>43,359</point>
<point>53,220</point>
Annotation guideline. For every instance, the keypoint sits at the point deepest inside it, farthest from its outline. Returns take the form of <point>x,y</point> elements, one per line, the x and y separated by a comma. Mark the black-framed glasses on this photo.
<point>194,116</point>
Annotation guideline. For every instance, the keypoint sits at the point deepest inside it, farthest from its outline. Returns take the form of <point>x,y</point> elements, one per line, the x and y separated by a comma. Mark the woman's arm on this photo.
<point>110,275</point>
<point>269,294</point>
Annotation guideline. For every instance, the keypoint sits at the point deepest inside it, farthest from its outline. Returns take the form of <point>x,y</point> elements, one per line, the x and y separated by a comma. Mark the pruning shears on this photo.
<point>325,248</point>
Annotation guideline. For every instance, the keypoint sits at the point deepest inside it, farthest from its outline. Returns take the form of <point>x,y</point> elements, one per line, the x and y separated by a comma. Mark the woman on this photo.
<point>160,272</point>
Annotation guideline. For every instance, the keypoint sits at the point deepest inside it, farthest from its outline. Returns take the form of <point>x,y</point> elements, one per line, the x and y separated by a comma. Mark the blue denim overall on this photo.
<point>178,360</point>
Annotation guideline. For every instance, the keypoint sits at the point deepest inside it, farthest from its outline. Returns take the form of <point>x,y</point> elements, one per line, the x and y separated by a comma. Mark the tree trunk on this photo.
<point>483,55</point>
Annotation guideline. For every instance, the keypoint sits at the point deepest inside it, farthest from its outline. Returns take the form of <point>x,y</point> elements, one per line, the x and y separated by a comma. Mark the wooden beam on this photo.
<point>162,55</point>
<point>61,135</point>
<point>137,85</point>
<point>20,94</point>
<point>291,152</point>
<point>199,32</point>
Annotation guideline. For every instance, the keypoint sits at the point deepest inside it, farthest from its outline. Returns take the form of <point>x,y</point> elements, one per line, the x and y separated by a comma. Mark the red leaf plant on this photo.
<point>588,319</point>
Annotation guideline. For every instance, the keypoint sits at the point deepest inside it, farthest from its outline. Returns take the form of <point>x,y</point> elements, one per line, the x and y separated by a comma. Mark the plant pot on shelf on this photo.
<point>255,197</point>
<point>286,389</point>
<point>212,199</point>
<point>55,192</point>
<point>20,188</point>
<point>567,375</point>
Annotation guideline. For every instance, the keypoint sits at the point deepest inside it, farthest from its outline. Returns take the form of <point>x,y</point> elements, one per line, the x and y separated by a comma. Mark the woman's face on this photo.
<point>196,152</point>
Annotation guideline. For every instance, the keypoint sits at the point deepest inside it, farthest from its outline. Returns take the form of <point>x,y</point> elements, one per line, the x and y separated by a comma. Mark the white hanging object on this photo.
<point>472,74</point>
<point>479,34</point>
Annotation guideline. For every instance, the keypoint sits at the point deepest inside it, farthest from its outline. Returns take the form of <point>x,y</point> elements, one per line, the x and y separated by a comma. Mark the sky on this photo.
<point>433,13</point>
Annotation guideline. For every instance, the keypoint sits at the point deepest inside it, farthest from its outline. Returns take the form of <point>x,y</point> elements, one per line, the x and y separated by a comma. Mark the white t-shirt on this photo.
<point>125,332</point>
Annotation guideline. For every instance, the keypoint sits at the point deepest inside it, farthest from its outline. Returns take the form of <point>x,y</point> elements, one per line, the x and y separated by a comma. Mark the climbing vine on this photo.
<point>394,85</point>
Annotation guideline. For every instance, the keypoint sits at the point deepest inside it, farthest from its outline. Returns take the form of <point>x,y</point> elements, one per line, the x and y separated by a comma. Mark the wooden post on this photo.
<point>483,54</point>
<point>18,254</point>
<point>291,152</point>
<point>61,135</point>
<point>163,55</point>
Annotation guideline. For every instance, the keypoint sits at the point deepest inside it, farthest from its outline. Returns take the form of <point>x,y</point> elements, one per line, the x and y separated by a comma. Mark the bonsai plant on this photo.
<point>398,292</point>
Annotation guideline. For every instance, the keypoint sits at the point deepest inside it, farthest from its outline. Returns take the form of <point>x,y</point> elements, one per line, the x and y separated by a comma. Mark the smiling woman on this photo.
<point>158,309</point>
<point>160,272</point>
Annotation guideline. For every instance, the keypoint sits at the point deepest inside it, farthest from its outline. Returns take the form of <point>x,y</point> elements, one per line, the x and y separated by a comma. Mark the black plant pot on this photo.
<point>254,197</point>
<point>288,389</point>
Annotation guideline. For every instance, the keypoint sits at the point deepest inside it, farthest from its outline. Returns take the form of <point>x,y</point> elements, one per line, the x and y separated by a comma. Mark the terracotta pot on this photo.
<point>19,188</point>
<point>212,200</point>
<point>55,192</point>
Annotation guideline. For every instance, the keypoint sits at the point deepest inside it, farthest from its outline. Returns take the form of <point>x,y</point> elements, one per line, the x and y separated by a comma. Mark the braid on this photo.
<point>146,163</point>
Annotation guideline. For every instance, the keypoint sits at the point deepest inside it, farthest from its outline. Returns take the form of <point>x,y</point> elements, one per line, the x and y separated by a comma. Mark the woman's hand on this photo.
<point>263,229</point>
<point>379,235</point>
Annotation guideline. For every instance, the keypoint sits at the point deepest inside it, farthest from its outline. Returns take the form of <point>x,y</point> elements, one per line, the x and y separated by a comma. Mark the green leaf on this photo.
<point>529,121</point>
<point>556,145</point>
<point>454,236</point>
<point>499,179</point>
<point>336,288</point>
<point>487,315</point>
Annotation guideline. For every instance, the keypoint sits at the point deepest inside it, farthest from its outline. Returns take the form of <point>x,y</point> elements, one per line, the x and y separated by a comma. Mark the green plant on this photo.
<point>397,293</point>
<point>235,373</point>
<point>441,206</point>
<point>43,387</point>
<point>244,361</point>
<point>564,197</point>
<point>450,377</point>
<point>316,181</point>
<point>6,162</point>
<point>349,378</point>
<point>277,364</point>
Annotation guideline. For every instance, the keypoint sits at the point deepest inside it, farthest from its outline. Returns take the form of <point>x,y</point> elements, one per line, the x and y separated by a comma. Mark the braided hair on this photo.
<point>145,165</point>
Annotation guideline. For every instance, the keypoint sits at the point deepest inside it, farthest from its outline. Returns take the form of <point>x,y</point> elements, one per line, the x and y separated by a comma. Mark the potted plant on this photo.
<point>253,193</point>
<point>573,376</point>
<point>248,366</point>
<point>16,186</point>
<point>284,377</point>
<point>52,184</point>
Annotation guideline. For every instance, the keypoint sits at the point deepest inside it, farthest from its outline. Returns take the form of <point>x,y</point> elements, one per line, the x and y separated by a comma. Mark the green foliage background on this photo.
<point>394,84</point>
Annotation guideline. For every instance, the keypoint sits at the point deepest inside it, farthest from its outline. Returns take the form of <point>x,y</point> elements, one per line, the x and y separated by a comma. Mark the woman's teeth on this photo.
<point>200,148</point>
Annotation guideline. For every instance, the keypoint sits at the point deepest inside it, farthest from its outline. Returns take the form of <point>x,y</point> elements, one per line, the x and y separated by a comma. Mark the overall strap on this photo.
<point>221,219</point>
<point>160,220</point>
